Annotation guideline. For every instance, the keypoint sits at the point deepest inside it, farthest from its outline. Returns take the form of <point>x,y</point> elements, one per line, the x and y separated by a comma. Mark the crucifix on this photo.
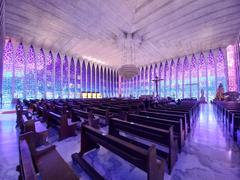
<point>156,80</point>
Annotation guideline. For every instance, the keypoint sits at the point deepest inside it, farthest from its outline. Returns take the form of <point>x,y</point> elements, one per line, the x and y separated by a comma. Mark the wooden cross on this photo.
<point>156,80</point>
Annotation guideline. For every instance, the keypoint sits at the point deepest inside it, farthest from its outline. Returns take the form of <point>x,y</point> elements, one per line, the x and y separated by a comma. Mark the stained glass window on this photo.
<point>142,82</point>
<point>138,84</point>
<point>101,81</point>
<point>114,83</point>
<point>117,83</point>
<point>84,88</point>
<point>65,78</point>
<point>166,80</point>
<point>161,83</point>
<point>88,81</point>
<point>49,76</point>
<point>72,79</point>
<point>194,77</point>
<point>19,66</point>
<point>186,78</point>
<point>179,76</point>
<point>146,86</point>
<point>78,79</point>
<point>97,79</point>
<point>58,79</point>
<point>105,82</point>
<point>211,76</point>
<point>111,83</point>
<point>172,80</point>
<point>93,79</point>
<point>7,72</point>
<point>151,76</point>
<point>231,68</point>
<point>40,66</point>
<point>108,83</point>
<point>202,75</point>
<point>30,80</point>
<point>221,77</point>
<point>135,87</point>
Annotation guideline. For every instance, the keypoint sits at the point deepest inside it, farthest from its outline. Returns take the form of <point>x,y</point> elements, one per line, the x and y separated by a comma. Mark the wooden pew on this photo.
<point>79,115</point>
<point>49,164</point>
<point>235,125</point>
<point>162,137</point>
<point>162,124</point>
<point>60,109</point>
<point>230,112</point>
<point>102,114</point>
<point>175,112</point>
<point>115,111</point>
<point>20,110</point>
<point>144,159</point>
<point>27,171</point>
<point>42,111</point>
<point>168,116</point>
<point>37,128</point>
<point>64,125</point>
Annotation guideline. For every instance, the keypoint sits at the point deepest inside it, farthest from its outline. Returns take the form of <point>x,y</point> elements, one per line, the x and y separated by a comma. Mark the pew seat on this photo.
<point>52,166</point>
<point>164,138</point>
<point>64,125</point>
<point>37,128</point>
<point>45,163</point>
<point>145,159</point>
<point>27,171</point>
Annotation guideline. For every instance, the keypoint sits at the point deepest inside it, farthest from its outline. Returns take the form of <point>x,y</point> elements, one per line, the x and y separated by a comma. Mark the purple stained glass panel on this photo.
<point>49,76</point>
<point>84,89</point>
<point>88,82</point>
<point>211,76</point>
<point>19,65</point>
<point>30,80</point>
<point>78,79</point>
<point>65,92</point>
<point>93,79</point>
<point>194,77</point>
<point>186,78</point>
<point>40,66</point>
<point>72,79</point>
<point>97,79</point>
<point>161,83</point>
<point>202,74</point>
<point>179,77</point>
<point>58,79</point>
<point>221,77</point>
<point>101,81</point>
<point>7,72</point>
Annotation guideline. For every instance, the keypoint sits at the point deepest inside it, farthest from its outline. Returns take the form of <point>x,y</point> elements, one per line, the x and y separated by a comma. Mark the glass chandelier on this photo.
<point>128,69</point>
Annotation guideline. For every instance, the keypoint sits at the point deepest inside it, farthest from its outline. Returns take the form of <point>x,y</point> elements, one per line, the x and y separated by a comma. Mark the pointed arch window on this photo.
<point>58,79</point>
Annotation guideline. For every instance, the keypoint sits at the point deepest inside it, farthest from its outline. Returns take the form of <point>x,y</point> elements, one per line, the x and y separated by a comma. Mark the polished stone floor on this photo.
<point>209,153</point>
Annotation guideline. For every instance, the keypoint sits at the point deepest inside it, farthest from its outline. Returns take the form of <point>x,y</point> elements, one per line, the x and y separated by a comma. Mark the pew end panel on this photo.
<point>144,159</point>
<point>155,168</point>
<point>67,127</point>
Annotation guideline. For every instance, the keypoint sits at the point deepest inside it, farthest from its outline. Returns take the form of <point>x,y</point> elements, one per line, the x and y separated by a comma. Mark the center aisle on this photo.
<point>209,152</point>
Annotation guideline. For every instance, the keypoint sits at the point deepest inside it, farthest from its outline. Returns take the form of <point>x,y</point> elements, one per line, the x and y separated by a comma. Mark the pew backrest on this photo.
<point>27,171</point>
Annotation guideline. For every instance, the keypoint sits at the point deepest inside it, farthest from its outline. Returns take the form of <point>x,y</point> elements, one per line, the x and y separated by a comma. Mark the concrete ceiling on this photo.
<point>167,28</point>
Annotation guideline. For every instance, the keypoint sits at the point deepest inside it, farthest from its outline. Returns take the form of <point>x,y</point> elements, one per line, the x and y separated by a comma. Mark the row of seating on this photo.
<point>146,136</point>
<point>230,114</point>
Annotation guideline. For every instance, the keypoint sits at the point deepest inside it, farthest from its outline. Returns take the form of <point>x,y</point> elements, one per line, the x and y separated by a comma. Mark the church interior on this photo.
<point>120,89</point>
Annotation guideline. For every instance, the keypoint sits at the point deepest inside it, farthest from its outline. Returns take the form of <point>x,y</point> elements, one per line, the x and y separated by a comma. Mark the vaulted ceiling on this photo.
<point>167,28</point>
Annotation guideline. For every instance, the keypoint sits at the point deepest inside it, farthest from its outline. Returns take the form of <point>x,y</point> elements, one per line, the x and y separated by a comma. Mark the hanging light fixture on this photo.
<point>128,69</point>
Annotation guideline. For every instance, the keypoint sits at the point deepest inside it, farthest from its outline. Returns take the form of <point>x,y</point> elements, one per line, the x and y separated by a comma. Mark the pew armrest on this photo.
<point>45,149</point>
<point>71,123</point>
